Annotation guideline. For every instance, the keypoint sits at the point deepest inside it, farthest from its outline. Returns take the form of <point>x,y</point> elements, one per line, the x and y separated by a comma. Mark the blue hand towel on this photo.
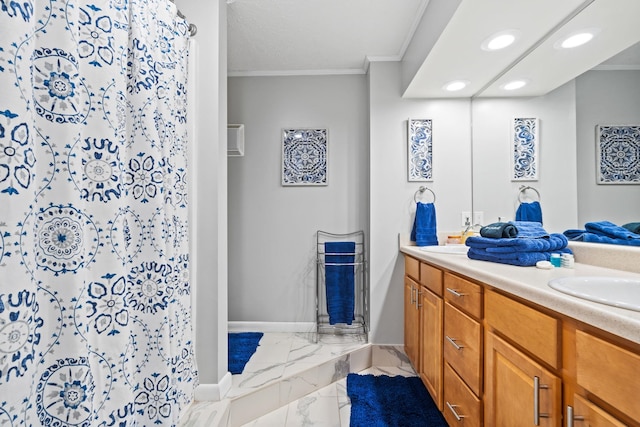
<point>424,225</point>
<point>339,281</point>
<point>499,230</point>
<point>609,229</point>
<point>529,212</point>
<point>530,229</point>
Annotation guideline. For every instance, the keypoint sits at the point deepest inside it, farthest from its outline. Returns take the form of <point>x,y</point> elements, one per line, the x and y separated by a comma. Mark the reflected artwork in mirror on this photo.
<point>618,154</point>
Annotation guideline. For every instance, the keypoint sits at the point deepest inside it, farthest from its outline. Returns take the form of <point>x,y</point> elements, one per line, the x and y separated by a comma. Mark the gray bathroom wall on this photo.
<point>272,228</point>
<point>605,98</point>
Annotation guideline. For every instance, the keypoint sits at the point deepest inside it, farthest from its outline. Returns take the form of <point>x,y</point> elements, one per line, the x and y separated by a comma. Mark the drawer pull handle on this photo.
<point>571,418</point>
<point>456,293</point>
<point>452,408</point>
<point>536,400</point>
<point>454,343</point>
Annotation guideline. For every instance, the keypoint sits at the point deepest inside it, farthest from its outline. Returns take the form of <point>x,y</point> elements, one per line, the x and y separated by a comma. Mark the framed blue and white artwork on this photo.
<point>525,145</point>
<point>304,156</point>
<point>618,150</point>
<point>420,150</point>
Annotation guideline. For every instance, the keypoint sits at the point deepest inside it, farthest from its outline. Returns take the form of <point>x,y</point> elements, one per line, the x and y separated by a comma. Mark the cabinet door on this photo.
<point>411,322</point>
<point>587,414</point>
<point>431,344</point>
<point>518,391</point>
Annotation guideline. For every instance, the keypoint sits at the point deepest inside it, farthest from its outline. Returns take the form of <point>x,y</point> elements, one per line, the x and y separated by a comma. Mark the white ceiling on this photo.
<point>284,37</point>
<point>301,37</point>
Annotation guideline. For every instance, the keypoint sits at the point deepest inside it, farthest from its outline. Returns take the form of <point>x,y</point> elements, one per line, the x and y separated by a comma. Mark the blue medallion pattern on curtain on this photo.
<point>95,301</point>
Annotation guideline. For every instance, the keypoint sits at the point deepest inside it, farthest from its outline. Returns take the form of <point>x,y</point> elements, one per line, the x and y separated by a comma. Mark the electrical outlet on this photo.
<point>465,218</point>
<point>478,218</point>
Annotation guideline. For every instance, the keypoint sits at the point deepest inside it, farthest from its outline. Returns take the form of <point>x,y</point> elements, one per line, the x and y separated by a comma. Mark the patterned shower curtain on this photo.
<point>95,309</point>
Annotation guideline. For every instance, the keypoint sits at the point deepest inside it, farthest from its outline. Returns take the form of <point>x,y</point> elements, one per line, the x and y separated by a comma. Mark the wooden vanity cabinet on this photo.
<point>411,321</point>
<point>423,324</point>
<point>492,359</point>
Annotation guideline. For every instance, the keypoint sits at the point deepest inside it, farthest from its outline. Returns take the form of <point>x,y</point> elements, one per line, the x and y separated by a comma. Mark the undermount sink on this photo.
<point>446,249</point>
<point>615,291</point>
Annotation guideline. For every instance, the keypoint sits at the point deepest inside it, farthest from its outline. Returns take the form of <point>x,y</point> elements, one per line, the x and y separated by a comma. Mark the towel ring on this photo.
<point>421,190</point>
<point>523,189</point>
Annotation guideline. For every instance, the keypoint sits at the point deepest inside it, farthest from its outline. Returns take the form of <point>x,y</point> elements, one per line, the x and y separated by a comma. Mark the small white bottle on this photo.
<point>567,260</point>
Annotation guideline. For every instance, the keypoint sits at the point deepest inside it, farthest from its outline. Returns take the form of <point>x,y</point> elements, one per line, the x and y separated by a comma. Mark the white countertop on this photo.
<point>530,283</point>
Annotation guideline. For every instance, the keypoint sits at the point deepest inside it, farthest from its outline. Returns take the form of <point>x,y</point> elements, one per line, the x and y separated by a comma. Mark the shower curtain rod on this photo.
<point>193,30</point>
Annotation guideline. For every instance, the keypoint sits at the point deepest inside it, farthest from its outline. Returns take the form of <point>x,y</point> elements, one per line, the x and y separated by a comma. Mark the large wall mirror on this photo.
<point>567,176</point>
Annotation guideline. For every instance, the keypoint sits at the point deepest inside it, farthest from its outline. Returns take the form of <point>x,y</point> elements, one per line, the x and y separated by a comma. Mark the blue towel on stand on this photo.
<point>340,281</point>
<point>529,212</point>
<point>424,225</point>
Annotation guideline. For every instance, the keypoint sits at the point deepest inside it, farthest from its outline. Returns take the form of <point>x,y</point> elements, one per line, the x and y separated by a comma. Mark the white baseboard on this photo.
<point>213,392</point>
<point>271,326</point>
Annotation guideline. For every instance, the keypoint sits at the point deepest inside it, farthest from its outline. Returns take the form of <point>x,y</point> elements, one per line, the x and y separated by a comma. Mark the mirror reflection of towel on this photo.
<point>424,225</point>
<point>529,212</point>
<point>340,281</point>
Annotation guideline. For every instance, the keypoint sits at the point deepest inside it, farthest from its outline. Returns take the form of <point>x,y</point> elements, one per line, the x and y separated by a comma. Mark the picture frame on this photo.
<point>419,150</point>
<point>305,155</point>
<point>525,147</point>
<point>618,154</point>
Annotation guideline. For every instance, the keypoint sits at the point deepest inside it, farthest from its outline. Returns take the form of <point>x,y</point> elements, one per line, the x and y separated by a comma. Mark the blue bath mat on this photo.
<point>384,401</point>
<point>242,345</point>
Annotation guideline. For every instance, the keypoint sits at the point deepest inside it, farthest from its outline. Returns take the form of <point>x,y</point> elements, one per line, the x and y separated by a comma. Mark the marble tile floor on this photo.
<point>293,381</point>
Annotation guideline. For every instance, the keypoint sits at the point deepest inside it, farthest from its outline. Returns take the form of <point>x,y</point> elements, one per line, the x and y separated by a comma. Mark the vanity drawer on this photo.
<point>460,401</point>
<point>463,346</point>
<point>532,330</point>
<point>412,268</point>
<point>431,278</point>
<point>609,372</point>
<point>463,294</point>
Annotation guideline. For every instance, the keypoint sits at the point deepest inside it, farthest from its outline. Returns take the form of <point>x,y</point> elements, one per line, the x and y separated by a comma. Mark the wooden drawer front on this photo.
<point>431,278</point>
<point>536,332</point>
<point>463,346</point>
<point>459,400</point>
<point>463,294</point>
<point>586,413</point>
<point>412,267</point>
<point>609,372</point>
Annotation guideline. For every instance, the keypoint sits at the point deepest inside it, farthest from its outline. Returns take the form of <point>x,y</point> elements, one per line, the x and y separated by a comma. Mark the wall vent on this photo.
<point>235,140</point>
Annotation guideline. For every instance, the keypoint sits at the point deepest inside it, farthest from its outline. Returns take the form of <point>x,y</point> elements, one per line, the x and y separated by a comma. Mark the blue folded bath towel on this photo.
<point>499,230</point>
<point>585,236</point>
<point>554,242</point>
<point>340,281</point>
<point>609,229</point>
<point>424,225</point>
<point>529,212</point>
<point>604,232</point>
<point>523,259</point>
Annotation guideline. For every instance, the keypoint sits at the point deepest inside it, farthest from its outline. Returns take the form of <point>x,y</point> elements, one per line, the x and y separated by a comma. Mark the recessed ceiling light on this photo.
<point>515,84</point>
<point>500,40</point>
<point>455,85</point>
<point>576,39</point>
